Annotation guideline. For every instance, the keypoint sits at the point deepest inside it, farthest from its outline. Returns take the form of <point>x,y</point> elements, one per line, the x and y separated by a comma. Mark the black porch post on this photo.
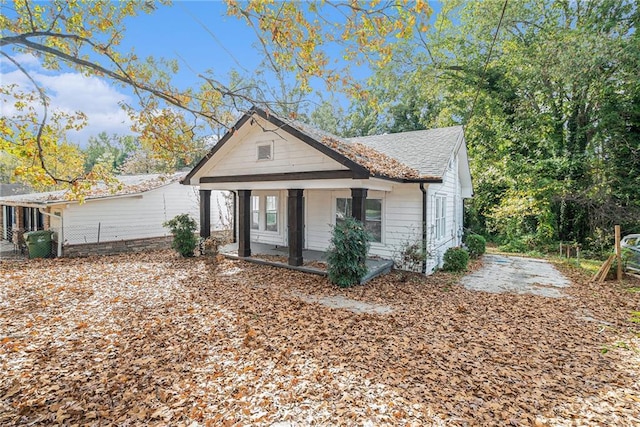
<point>296,226</point>
<point>244,216</point>
<point>358,204</point>
<point>205,213</point>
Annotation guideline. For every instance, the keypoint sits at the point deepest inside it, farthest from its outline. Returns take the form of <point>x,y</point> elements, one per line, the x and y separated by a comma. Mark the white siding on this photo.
<point>402,220</point>
<point>401,213</point>
<point>139,216</point>
<point>239,155</point>
<point>451,189</point>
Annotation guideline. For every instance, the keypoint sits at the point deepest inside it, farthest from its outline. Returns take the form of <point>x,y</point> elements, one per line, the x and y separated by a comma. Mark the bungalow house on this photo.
<point>293,182</point>
<point>129,219</point>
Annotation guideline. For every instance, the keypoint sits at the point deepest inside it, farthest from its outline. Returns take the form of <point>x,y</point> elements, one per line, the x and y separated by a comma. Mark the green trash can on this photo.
<point>38,243</point>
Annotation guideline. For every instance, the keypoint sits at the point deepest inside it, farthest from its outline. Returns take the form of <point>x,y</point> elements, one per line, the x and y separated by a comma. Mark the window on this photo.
<point>374,218</point>
<point>441,212</point>
<point>255,212</point>
<point>343,209</point>
<point>32,219</point>
<point>271,213</point>
<point>264,151</point>
<point>373,215</point>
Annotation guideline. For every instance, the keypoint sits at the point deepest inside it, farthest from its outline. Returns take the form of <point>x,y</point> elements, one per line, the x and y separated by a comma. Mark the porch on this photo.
<point>276,256</point>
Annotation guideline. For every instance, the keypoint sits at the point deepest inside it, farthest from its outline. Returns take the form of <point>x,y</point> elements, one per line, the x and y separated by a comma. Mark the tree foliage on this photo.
<point>86,36</point>
<point>110,150</point>
<point>550,99</point>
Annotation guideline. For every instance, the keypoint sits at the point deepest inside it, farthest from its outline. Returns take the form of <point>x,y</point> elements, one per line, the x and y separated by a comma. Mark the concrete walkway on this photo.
<point>503,273</point>
<point>340,302</point>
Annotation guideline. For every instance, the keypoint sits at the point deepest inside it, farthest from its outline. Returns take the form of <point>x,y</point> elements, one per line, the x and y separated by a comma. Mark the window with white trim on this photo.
<point>255,212</point>
<point>373,208</point>
<point>343,209</point>
<point>373,215</point>
<point>271,213</point>
<point>264,151</point>
<point>441,216</point>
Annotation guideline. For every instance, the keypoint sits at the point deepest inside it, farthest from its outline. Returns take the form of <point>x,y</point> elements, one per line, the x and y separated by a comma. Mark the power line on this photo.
<point>213,36</point>
<point>486,64</point>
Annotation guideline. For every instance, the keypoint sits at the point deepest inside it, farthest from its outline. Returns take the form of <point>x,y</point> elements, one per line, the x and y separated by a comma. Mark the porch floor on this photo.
<point>375,266</point>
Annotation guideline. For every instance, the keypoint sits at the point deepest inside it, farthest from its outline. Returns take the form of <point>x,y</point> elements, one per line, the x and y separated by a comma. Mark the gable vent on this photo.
<point>264,152</point>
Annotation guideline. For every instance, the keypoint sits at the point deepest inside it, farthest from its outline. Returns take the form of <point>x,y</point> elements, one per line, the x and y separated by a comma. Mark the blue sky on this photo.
<point>198,34</point>
<point>181,31</point>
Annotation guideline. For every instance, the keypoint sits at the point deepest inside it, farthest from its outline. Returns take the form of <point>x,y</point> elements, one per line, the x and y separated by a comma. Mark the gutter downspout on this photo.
<point>424,227</point>
<point>61,233</point>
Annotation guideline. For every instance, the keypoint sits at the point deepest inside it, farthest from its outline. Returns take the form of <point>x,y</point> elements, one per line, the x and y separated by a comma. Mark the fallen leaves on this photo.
<point>375,162</point>
<point>156,339</point>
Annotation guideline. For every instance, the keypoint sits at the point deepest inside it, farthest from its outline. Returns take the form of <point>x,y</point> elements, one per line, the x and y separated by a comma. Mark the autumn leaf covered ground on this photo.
<point>152,339</point>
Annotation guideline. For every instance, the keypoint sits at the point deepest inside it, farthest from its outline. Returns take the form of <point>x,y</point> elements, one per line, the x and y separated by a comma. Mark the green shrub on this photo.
<point>514,246</point>
<point>455,259</point>
<point>183,228</point>
<point>347,254</point>
<point>476,244</point>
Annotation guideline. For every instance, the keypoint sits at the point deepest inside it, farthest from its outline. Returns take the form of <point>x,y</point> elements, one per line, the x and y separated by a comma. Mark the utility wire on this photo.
<point>213,36</point>
<point>486,64</point>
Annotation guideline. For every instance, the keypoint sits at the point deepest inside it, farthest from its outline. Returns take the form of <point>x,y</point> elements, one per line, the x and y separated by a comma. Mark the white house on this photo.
<point>293,182</point>
<point>128,219</point>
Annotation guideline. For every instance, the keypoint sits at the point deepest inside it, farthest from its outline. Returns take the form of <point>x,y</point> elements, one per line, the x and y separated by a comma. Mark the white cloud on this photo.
<point>71,92</point>
<point>27,60</point>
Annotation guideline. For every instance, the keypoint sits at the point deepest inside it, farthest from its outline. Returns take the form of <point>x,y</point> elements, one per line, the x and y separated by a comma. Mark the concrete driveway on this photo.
<point>503,273</point>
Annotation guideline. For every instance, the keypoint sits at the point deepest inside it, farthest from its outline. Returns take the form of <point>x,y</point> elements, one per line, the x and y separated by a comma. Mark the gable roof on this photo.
<point>420,156</point>
<point>426,151</point>
<point>130,185</point>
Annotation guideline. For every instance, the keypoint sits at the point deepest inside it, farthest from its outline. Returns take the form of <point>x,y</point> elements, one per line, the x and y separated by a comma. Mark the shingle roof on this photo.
<point>130,184</point>
<point>427,151</point>
<point>409,156</point>
<point>376,161</point>
<point>415,155</point>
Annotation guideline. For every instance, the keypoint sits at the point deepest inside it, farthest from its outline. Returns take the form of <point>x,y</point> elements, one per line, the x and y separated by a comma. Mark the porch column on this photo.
<point>205,213</point>
<point>296,226</point>
<point>358,204</point>
<point>244,219</point>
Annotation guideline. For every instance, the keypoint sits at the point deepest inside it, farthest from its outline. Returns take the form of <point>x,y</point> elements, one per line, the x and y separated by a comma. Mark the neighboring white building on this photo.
<point>293,182</point>
<point>132,216</point>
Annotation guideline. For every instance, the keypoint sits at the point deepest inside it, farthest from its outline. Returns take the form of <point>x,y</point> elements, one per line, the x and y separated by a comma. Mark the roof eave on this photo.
<point>245,117</point>
<point>45,203</point>
<point>424,180</point>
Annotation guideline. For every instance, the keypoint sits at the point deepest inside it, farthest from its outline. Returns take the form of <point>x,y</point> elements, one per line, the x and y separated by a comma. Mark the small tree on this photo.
<point>347,255</point>
<point>183,228</point>
<point>411,255</point>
